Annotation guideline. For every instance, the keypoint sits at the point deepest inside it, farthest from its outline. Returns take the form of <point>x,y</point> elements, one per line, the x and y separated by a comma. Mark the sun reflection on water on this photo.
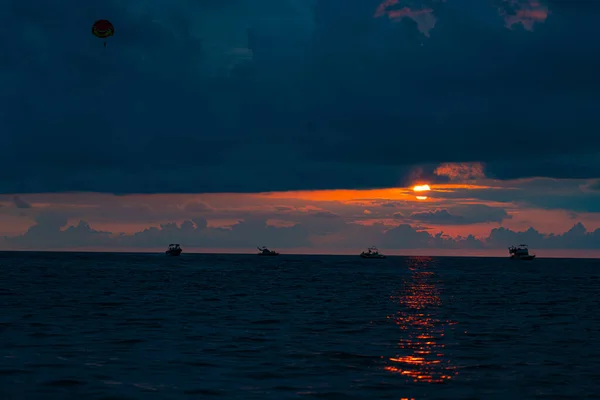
<point>421,349</point>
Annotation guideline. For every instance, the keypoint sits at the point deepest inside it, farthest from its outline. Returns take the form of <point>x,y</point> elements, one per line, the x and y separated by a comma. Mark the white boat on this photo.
<point>372,252</point>
<point>520,252</point>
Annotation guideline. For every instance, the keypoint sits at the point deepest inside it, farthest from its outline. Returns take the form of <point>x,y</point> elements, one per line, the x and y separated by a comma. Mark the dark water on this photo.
<point>109,326</point>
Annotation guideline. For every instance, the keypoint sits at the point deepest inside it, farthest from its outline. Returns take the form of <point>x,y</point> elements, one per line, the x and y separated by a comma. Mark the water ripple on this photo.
<point>127,326</point>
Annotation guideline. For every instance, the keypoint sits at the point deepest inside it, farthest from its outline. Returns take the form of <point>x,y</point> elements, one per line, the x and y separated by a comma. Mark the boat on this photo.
<point>174,250</point>
<point>520,252</point>
<point>263,251</point>
<point>372,252</point>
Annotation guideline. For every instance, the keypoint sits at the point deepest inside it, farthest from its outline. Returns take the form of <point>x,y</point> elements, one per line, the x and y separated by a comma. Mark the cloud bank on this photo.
<point>246,96</point>
<point>478,214</point>
<point>54,233</point>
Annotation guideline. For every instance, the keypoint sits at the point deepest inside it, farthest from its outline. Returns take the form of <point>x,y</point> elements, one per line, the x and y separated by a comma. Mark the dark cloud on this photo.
<point>325,214</point>
<point>462,215</point>
<point>391,204</point>
<point>48,232</point>
<point>197,207</point>
<point>184,99</point>
<point>569,166</point>
<point>284,209</point>
<point>549,194</point>
<point>575,238</point>
<point>590,203</point>
<point>51,232</point>
<point>20,203</point>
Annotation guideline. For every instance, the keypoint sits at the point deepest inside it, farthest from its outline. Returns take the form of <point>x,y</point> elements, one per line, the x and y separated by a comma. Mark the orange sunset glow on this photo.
<point>421,345</point>
<point>317,221</point>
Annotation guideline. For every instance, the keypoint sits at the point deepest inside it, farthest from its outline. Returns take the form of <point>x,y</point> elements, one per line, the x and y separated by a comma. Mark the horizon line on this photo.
<point>415,253</point>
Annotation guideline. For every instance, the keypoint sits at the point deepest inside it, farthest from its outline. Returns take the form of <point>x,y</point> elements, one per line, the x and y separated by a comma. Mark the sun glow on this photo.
<point>421,197</point>
<point>421,188</point>
<point>420,354</point>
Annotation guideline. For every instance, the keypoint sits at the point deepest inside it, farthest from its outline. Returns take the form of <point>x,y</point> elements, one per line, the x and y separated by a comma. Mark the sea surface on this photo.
<point>140,326</point>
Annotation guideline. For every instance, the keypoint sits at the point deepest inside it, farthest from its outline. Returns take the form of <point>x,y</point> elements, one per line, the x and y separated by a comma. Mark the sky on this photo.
<point>302,125</point>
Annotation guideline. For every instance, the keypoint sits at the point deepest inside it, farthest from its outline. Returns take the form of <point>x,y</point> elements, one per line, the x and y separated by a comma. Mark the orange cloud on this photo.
<point>461,171</point>
<point>343,195</point>
<point>524,12</point>
<point>367,197</point>
<point>423,17</point>
<point>280,223</point>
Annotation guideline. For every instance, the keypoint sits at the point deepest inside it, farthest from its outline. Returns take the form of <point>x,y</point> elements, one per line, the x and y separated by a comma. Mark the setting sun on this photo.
<point>421,188</point>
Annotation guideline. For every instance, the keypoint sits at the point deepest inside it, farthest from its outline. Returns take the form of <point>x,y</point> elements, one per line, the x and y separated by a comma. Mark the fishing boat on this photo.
<point>174,250</point>
<point>263,251</point>
<point>372,252</point>
<point>520,252</point>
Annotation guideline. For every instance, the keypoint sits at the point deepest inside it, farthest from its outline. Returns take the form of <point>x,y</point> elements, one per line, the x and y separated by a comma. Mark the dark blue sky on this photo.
<point>322,96</point>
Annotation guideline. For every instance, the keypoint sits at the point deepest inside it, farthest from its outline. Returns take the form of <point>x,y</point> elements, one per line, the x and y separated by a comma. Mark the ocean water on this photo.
<point>134,326</point>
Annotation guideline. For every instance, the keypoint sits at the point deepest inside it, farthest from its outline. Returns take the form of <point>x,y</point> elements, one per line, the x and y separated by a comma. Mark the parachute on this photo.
<point>103,29</point>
